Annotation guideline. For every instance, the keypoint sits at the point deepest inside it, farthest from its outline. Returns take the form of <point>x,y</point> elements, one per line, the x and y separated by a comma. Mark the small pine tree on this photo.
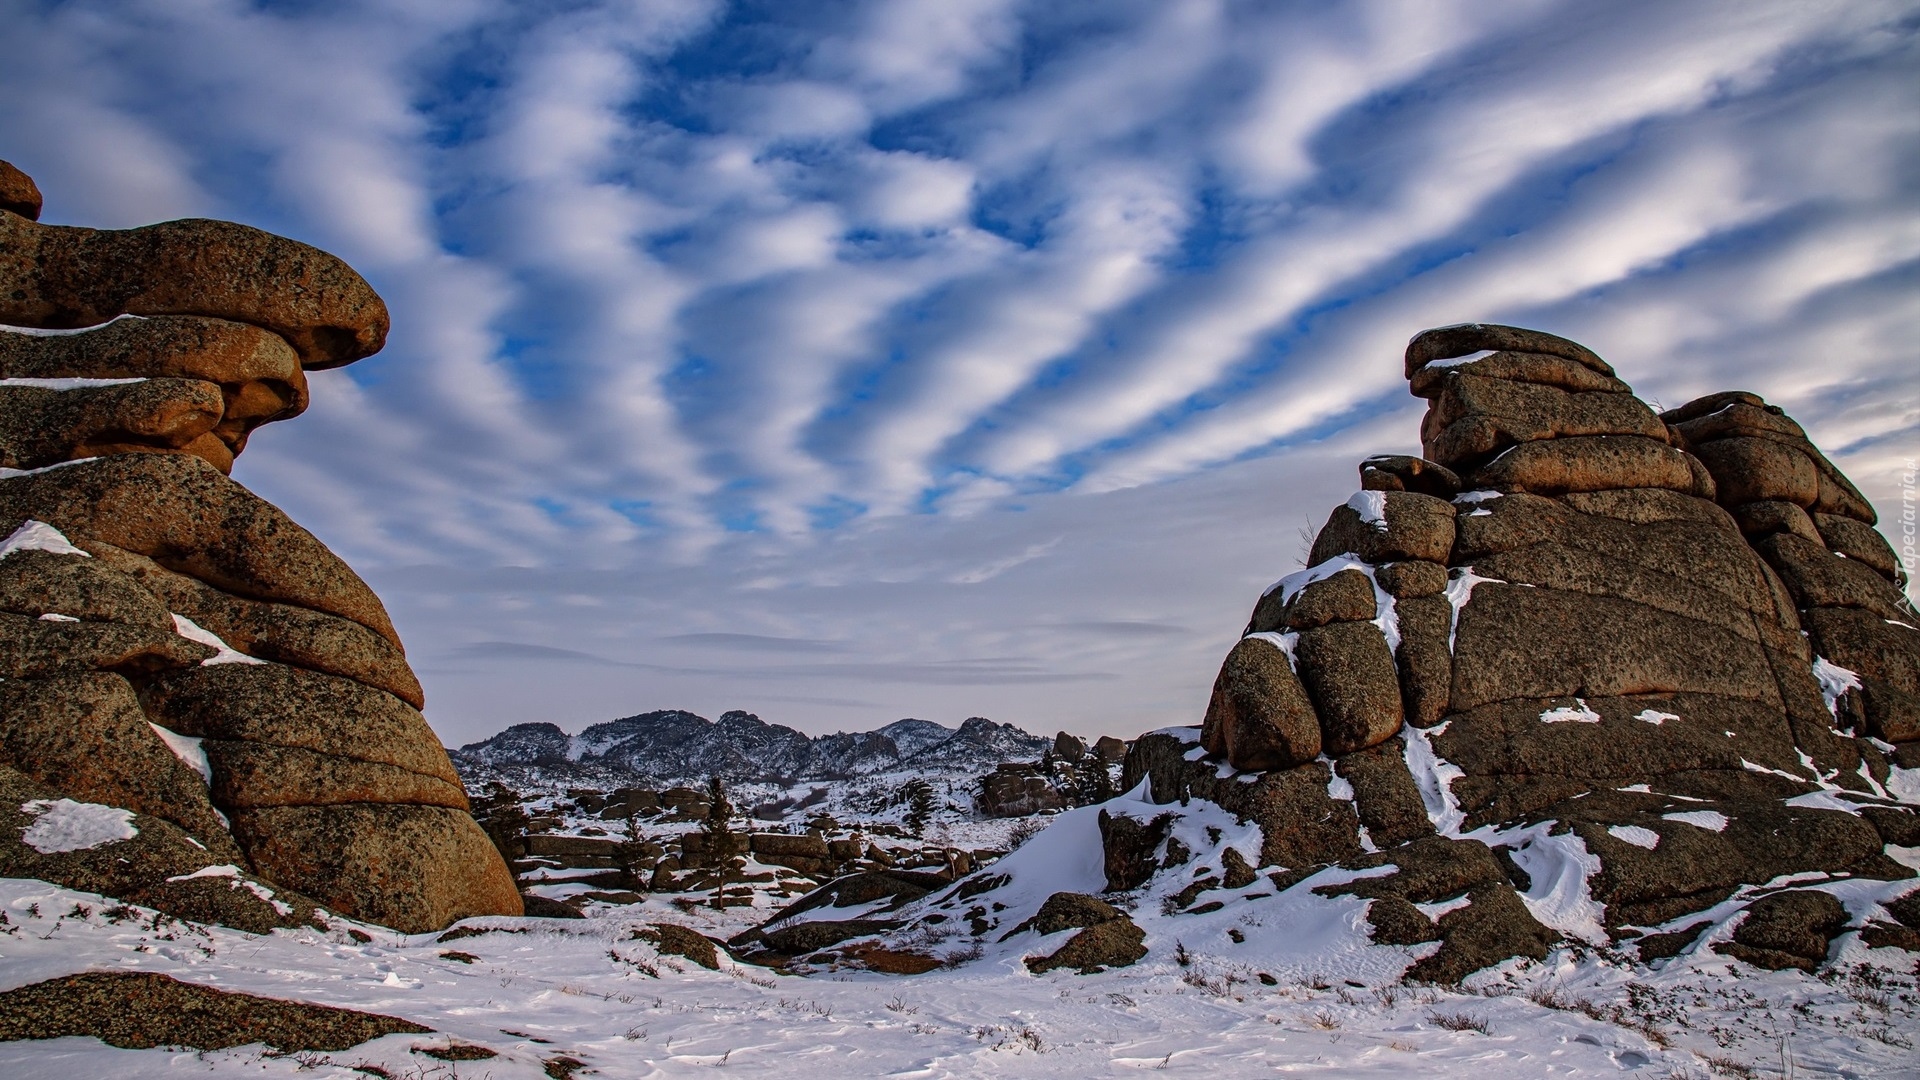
<point>918,795</point>
<point>720,838</point>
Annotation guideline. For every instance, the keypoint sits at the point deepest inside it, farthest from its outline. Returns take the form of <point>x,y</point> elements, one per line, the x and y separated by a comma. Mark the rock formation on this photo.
<point>1670,648</point>
<point>175,650</point>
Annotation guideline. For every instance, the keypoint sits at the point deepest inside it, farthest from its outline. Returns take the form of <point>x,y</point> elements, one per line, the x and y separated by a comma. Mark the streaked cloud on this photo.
<point>974,341</point>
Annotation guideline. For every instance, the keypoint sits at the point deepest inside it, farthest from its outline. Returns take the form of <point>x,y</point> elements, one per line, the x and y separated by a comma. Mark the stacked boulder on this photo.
<point>1671,644</point>
<point>173,645</point>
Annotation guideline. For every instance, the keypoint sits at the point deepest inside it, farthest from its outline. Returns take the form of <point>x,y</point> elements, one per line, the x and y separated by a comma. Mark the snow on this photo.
<point>1710,820</point>
<point>1187,734</point>
<point>35,331</point>
<point>1434,776</point>
<point>9,474</point>
<point>1903,784</point>
<point>38,536</point>
<point>1577,713</point>
<point>1284,642</point>
<point>64,825</point>
<point>1462,361</point>
<point>1371,506</point>
<point>227,654</point>
<point>1387,616</point>
<point>187,749</point>
<point>1655,716</point>
<point>1559,866</point>
<point>1338,787</point>
<point>1637,835</point>
<point>1834,681</point>
<point>1475,498</point>
<point>1459,591</point>
<point>54,617</point>
<point>67,384</point>
<point>233,872</point>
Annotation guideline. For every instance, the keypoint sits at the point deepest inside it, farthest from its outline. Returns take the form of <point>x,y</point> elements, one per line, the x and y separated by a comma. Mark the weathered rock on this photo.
<point>139,1010</point>
<point>18,193</point>
<point>1398,472</point>
<point>249,775</point>
<point>1471,418</point>
<point>61,277</point>
<point>414,868</point>
<point>277,705</point>
<point>1749,469</point>
<point>1343,597</point>
<point>185,515</point>
<point>1424,658</point>
<point>1301,824</point>
<point>1768,516</point>
<point>36,583</point>
<point>1411,578</point>
<point>40,426</point>
<point>1384,793</point>
<point>1259,716</point>
<point>1349,675</point>
<point>1117,943</point>
<point>1465,339</point>
<point>1130,848</point>
<point>1787,929</point>
<point>284,633</point>
<point>1587,463</point>
<point>1397,525</point>
<point>1818,578</point>
<point>1068,911</point>
<point>86,735</point>
<point>1523,367</point>
<point>39,648</point>
<point>1859,541</point>
<point>158,865</point>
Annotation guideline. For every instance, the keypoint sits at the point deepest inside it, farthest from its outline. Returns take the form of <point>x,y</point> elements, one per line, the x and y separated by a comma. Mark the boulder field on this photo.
<point>204,710</point>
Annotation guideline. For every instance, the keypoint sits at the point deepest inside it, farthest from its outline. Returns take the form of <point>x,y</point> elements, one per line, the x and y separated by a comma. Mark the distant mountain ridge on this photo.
<point>670,745</point>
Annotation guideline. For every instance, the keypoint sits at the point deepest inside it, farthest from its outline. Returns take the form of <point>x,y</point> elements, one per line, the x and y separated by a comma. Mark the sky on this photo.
<point>848,361</point>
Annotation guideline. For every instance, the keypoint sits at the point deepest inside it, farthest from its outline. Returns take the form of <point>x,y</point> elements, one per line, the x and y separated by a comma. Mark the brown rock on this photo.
<point>1712,403</point>
<point>1118,943</point>
<point>1571,569</point>
<point>1858,541</point>
<point>1425,658</point>
<point>258,373</point>
<point>1752,469</point>
<point>1397,472</point>
<point>1259,716</point>
<point>248,775</point>
<point>1863,642</point>
<point>1384,793</point>
<point>36,583</point>
<point>1343,597</point>
<point>1472,418</point>
<point>86,736</point>
<point>1819,578</point>
<point>1537,368</point>
<point>1416,527</point>
<point>40,427</point>
<point>1349,674</point>
<point>1130,848</point>
<point>1590,463</point>
<point>1465,339</point>
<point>60,277</point>
<point>1411,577</point>
<point>1738,417</point>
<point>182,513</point>
<point>1300,824</point>
<point>18,193</point>
<point>1837,495</point>
<point>283,633</point>
<point>139,1010</point>
<point>1769,516</point>
<point>1515,642</point>
<point>1788,929</point>
<point>1648,506</point>
<point>414,868</point>
<point>286,706</point>
<point>37,648</point>
<point>1068,911</point>
<point>153,868</point>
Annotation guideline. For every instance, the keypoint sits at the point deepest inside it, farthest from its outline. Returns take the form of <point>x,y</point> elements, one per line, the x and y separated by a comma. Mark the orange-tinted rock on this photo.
<point>40,427</point>
<point>60,277</point>
<point>18,193</point>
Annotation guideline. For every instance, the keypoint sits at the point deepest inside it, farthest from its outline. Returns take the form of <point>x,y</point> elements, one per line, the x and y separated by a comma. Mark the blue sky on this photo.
<point>849,361</point>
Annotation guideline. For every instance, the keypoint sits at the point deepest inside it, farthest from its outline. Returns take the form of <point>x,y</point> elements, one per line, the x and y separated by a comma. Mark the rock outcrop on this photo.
<point>174,648</point>
<point>1669,649</point>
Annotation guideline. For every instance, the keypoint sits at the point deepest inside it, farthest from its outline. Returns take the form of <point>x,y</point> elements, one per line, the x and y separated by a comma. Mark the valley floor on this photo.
<point>548,996</point>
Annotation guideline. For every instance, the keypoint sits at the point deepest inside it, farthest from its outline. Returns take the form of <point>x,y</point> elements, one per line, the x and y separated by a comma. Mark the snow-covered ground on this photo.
<point>537,991</point>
